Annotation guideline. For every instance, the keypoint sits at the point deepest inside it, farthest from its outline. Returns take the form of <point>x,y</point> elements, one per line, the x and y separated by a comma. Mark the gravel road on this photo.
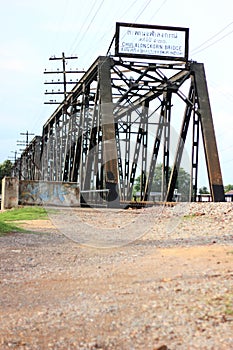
<point>112,279</point>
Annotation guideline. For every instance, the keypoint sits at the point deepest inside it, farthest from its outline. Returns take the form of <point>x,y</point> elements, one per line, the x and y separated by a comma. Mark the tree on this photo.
<point>203,190</point>
<point>228,188</point>
<point>5,170</point>
<point>182,183</point>
<point>136,187</point>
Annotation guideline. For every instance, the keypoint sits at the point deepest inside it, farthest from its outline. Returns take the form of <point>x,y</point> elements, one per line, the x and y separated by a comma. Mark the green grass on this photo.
<point>189,216</point>
<point>8,217</point>
<point>24,213</point>
<point>8,228</point>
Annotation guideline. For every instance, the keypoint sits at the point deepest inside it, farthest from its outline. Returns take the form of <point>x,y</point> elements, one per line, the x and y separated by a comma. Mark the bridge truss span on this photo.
<point>123,121</point>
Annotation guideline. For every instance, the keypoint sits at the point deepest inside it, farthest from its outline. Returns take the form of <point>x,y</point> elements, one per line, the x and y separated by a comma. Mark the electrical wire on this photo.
<point>214,42</point>
<point>110,29</point>
<point>200,49</point>
<point>112,26</point>
<point>60,21</point>
<point>106,32</point>
<point>226,149</point>
<point>126,11</point>
<point>229,97</point>
<point>227,161</point>
<point>91,21</point>
<point>212,37</point>
<point>159,8</point>
<point>141,12</point>
<point>83,24</point>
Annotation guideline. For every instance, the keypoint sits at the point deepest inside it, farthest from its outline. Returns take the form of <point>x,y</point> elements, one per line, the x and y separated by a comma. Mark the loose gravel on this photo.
<point>168,286</point>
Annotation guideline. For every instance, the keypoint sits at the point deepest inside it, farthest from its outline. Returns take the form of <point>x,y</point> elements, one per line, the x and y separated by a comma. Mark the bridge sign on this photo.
<point>148,41</point>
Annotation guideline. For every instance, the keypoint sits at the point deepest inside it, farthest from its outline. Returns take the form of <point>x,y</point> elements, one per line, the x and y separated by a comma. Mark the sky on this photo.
<point>33,31</point>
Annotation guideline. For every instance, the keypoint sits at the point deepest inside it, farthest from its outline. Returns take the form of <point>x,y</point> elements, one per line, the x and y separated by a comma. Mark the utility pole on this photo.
<point>64,81</point>
<point>13,159</point>
<point>26,142</point>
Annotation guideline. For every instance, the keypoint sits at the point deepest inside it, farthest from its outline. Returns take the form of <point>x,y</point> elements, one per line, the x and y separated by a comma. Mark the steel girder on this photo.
<point>28,166</point>
<point>108,133</point>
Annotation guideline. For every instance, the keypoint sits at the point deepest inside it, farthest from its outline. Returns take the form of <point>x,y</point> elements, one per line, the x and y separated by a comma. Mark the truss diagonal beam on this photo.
<point>181,143</point>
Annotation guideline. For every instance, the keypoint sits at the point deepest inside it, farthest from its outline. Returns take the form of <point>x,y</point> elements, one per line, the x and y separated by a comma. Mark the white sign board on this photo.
<point>155,41</point>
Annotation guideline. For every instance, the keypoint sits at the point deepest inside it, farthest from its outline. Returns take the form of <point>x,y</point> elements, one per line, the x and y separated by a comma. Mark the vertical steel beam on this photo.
<point>195,156</point>
<point>166,146</point>
<point>144,148</point>
<point>120,168</point>
<point>127,152</point>
<point>108,128</point>
<point>35,158</point>
<point>44,156</point>
<point>208,133</point>
<point>98,161</point>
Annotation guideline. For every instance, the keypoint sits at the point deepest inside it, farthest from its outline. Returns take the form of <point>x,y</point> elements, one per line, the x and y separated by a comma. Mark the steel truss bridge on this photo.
<point>117,124</point>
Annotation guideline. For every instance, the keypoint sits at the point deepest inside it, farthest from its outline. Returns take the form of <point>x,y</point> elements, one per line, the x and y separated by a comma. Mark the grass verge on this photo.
<point>8,228</point>
<point>8,217</point>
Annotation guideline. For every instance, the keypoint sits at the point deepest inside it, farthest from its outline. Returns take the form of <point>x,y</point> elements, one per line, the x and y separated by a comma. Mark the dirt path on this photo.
<point>174,290</point>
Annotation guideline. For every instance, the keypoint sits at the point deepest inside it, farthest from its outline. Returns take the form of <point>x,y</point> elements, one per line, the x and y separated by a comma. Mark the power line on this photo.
<point>226,149</point>
<point>130,6</point>
<point>212,37</point>
<point>140,13</point>
<point>60,21</point>
<point>215,42</point>
<point>111,28</point>
<point>199,49</point>
<point>82,26</point>
<point>227,161</point>
<point>92,19</point>
<point>158,9</point>
<point>98,41</point>
<point>221,91</point>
